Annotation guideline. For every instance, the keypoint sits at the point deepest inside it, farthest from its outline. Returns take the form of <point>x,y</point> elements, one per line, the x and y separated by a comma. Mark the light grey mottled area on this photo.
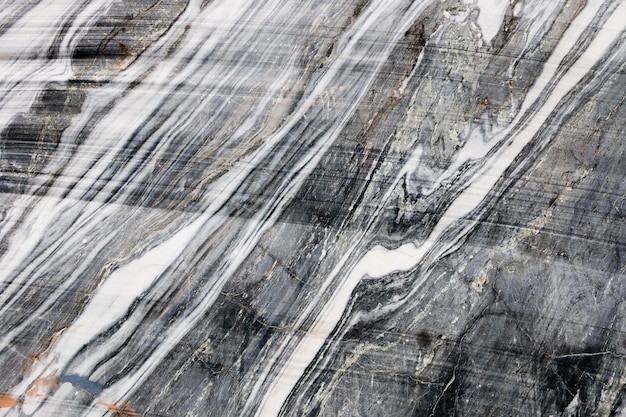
<point>328,208</point>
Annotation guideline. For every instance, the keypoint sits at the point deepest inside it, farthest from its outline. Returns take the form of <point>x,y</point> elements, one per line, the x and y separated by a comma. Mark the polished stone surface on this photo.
<point>312,208</point>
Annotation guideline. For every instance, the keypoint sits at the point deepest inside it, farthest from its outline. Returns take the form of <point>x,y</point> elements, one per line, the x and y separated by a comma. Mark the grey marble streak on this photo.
<point>263,208</point>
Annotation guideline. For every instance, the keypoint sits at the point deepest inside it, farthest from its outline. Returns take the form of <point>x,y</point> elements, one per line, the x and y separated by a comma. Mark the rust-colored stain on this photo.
<point>42,386</point>
<point>123,410</point>
<point>8,400</point>
<point>30,360</point>
<point>125,58</point>
<point>45,385</point>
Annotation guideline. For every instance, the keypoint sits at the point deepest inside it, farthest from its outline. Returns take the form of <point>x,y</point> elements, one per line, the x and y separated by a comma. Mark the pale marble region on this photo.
<point>283,208</point>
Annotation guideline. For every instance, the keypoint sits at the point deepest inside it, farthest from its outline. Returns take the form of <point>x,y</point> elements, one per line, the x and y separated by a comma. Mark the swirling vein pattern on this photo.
<point>320,208</point>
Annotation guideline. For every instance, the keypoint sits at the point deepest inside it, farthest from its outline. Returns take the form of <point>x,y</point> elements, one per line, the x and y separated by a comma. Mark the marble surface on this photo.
<point>312,208</point>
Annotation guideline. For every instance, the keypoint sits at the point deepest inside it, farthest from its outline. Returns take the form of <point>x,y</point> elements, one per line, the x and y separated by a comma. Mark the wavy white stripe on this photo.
<point>380,261</point>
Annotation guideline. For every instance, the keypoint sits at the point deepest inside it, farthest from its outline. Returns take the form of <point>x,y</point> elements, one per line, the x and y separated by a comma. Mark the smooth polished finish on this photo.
<point>313,208</point>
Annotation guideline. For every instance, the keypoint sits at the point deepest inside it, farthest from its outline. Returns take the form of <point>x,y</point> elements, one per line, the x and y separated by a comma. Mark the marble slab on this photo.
<point>312,208</point>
